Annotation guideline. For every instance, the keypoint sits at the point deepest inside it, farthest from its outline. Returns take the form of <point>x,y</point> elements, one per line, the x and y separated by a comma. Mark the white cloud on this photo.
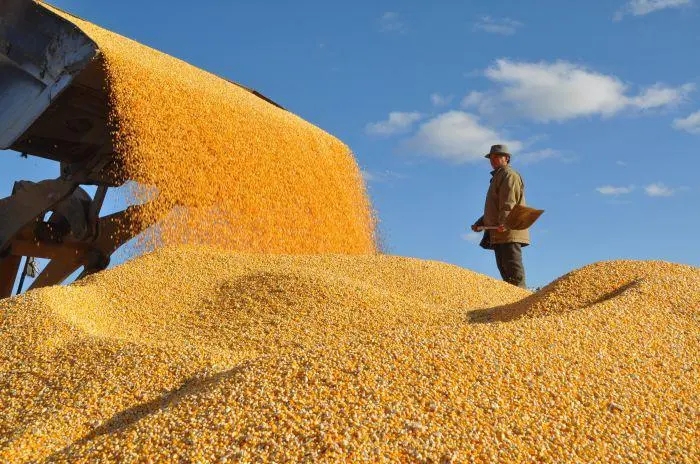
<point>485,103</point>
<point>398,122</point>
<point>620,163</point>
<point>537,156</point>
<point>474,237</point>
<point>644,7</point>
<point>691,123</point>
<point>456,136</point>
<point>503,26</point>
<point>392,22</point>
<point>659,95</point>
<point>562,90</point>
<point>473,99</point>
<point>610,190</point>
<point>658,190</point>
<point>440,100</point>
<point>653,190</point>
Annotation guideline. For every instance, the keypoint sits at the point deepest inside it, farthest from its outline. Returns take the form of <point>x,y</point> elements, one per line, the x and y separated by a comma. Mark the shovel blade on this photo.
<point>522,217</point>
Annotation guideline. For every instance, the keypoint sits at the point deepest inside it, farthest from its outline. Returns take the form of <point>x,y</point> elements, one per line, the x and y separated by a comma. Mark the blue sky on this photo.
<point>600,101</point>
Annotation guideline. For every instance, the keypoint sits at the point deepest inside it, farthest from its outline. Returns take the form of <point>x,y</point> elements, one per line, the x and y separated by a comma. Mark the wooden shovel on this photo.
<point>520,217</point>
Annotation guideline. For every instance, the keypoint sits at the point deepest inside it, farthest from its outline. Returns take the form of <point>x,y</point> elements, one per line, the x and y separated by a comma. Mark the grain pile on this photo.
<point>241,173</point>
<point>189,354</point>
<point>625,281</point>
<point>194,354</point>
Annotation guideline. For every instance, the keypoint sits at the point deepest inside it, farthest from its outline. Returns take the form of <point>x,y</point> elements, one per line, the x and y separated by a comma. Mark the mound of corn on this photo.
<point>233,170</point>
<point>261,354</point>
<point>624,281</point>
<point>190,354</point>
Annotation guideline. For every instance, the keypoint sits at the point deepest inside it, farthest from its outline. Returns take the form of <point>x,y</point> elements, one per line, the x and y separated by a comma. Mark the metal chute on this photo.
<point>53,104</point>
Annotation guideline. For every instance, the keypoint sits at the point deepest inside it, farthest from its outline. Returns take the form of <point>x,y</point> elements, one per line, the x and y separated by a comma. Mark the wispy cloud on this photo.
<point>659,190</point>
<point>487,103</point>
<point>456,136</point>
<point>391,22</point>
<point>561,90</point>
<point>502,26</point>
<point>691,123</point>
<point>537,156</point>
<point>381,177</point>
<point>659,95</point>
<point>644,7</point>
<point>440,100</point>
<point>610,190</point>
<point>398,122</point>
<point>473,99</point>
<point>473,237</point>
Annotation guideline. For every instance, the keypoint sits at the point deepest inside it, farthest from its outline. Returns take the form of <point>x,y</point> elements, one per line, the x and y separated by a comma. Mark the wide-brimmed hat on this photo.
<point>499,149</point>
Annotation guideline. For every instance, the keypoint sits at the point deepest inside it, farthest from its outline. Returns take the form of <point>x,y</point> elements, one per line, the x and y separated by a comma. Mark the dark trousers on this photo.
<point>509,259</point>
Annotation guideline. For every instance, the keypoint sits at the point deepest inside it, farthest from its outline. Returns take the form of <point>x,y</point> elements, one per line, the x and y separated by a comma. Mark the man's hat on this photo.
<point>499,149</point>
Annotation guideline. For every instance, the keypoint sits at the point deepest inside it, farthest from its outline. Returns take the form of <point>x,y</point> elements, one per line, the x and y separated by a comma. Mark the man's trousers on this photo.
<point>509,259</point>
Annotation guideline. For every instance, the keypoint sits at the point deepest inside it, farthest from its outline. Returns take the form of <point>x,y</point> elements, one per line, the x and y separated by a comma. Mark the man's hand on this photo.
<point>475,228</point>
<point>501,228</point>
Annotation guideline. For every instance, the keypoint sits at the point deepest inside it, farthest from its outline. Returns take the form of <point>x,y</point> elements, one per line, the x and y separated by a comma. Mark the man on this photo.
<point>505,191</point>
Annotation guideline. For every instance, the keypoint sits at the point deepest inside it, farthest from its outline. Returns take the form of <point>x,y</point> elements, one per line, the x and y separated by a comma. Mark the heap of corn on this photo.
<point>232,170</point>
<point>189,354</point>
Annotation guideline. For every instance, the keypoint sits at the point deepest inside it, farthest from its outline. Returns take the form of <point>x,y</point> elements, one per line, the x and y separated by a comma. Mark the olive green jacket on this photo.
<point>505,191</point>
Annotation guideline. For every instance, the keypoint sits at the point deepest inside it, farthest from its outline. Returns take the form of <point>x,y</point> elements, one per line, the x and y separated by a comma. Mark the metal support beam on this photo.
<point>9,266</point>
<point>28,203</point>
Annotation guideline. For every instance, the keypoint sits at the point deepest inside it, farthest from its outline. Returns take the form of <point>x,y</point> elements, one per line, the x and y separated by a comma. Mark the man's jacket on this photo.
<point>506,190</point>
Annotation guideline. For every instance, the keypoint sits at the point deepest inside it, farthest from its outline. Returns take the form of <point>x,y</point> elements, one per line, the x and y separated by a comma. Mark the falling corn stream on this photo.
<point>262,324</point>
